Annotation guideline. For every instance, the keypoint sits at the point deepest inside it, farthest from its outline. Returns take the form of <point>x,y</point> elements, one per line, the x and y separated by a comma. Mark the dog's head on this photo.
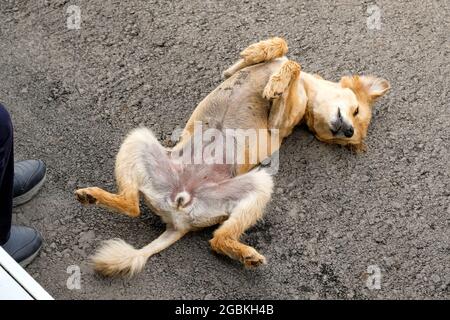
<point>341,112</point>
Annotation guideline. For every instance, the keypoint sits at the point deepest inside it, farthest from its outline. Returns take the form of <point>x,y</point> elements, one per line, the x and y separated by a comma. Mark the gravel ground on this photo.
<point>74,94</point>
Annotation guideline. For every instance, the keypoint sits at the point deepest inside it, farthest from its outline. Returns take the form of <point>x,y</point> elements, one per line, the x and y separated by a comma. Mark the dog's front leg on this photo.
<point>262,51</point>
<point>240,64</point>
<point>287,106</point>
<point>116,257</point>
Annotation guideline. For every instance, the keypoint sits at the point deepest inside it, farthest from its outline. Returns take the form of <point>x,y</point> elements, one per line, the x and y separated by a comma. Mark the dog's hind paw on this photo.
<point>254,260</point>
<point>85,196</point>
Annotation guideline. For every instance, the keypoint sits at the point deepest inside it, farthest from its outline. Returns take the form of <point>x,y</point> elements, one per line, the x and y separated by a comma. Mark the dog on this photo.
<point>264,91</point>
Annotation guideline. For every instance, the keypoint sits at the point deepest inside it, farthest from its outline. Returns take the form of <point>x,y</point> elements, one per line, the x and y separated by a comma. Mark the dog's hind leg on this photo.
<point>130,173</point>
<point>116,257</point>
<point>258,52</point>
<point>244,215</point>
<point>126,202</point>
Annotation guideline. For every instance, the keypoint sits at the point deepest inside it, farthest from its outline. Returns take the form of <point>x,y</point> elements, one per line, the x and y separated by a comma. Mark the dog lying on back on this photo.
<point>265,92</point>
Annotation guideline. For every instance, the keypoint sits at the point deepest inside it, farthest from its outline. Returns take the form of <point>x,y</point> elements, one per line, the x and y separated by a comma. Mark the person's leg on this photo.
<point>17,182</point>
<point>6,174</point>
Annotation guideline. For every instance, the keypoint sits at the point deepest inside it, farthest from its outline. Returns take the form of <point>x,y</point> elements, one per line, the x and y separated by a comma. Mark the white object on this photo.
<point>16,283</point>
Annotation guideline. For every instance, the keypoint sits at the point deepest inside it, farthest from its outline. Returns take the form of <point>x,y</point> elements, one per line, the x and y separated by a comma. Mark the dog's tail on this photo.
<point>118,258</point>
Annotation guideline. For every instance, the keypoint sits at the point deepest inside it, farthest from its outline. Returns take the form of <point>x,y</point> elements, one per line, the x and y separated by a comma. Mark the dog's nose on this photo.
<point>349,131</point>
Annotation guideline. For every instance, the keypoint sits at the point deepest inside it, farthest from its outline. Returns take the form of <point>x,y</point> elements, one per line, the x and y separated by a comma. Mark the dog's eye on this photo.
<point>356,111</point>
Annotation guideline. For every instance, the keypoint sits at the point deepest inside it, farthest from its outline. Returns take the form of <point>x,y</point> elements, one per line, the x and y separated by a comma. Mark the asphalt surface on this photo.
<point>74,94</point>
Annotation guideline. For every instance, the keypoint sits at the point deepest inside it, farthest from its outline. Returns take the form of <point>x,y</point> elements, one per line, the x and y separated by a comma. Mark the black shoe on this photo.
<point>23,244</point>
<point>29,176</point>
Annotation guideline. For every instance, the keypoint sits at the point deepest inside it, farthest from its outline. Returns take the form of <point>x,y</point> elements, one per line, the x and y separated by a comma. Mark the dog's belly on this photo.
<point>241,110</point>
<point>198,183</point>
<point>237,103</point>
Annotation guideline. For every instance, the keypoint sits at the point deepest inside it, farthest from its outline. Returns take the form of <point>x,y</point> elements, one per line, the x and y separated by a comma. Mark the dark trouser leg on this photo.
<point>6,174</point>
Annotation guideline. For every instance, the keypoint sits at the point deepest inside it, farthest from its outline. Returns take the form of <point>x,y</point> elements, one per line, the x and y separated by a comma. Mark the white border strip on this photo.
<point>22,277</point>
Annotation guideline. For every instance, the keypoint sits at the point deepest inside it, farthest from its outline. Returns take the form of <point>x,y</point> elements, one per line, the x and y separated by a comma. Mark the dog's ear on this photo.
<point>367,87</point>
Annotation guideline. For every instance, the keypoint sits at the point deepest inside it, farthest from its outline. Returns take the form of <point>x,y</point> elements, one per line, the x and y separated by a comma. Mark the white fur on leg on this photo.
<point>116,257</point>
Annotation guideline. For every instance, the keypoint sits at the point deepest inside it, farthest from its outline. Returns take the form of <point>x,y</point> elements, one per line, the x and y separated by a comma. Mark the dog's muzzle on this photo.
<point>341,127</point>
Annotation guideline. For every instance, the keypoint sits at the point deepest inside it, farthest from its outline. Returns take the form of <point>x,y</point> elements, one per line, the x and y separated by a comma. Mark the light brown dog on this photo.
<point>265,92</point>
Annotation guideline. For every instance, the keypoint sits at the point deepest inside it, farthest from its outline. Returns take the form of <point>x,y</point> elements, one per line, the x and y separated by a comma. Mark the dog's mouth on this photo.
<point>342,130</point>
<point>334,131</point>
<point>340,127</point>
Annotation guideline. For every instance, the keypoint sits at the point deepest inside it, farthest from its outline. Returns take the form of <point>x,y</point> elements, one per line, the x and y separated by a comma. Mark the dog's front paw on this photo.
<point>274,88</point>
<point>253,259</point>
<point>86,196</point>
